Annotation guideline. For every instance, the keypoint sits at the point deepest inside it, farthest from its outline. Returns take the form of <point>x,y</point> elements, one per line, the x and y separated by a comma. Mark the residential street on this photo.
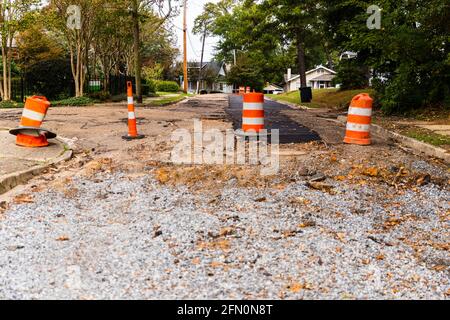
<point>120,221</point>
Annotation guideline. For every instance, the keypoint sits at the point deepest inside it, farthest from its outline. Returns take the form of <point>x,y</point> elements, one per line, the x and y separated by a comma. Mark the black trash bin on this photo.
<point>305,94</point>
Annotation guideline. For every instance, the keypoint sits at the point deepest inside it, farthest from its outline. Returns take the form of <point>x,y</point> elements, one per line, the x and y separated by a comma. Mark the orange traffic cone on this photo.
<point>253,113</point>
<point>132,125</point>
<point>29,133</point>
<point>358,120</point>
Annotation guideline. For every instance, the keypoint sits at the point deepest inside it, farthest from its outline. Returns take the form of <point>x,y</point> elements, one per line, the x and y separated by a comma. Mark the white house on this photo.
<point>272,88</point>
<point>317,78</point>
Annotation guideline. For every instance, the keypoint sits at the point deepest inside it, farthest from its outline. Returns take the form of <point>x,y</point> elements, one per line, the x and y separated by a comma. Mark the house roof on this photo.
<point>272,86</point>
<point>321,67</point>
<point>216,66</point>
<point>296,76</point>
<point>323,77</point>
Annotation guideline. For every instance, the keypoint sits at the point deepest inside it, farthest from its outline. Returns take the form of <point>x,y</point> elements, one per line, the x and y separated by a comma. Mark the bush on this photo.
<point>10,104</point>
<point>50,78</point>
<point>167,86</point>
<point>351,75</point>
<point>74,102</point>
<point>150,87</point>
<point>100,95</point>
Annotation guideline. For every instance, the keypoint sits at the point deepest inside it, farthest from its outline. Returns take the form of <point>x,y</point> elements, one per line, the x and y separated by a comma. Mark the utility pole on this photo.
<point>201,61</point>
<point>185,66</point>
<point>137,51</point>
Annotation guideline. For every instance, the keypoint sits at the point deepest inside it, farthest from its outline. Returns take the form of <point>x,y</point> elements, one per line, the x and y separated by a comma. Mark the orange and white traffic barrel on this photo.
<point>253,113</point>
<point>132,123</point>
<point>358,120</point>
<point>29,133</point>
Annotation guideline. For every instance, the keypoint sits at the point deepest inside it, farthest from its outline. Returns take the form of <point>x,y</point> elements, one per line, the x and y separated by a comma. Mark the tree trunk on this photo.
<point>5,96</point>
<point>301,60</point>
<point>137,52</point>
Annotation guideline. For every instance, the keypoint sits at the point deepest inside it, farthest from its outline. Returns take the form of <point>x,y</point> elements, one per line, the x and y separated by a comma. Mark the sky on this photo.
<point>194,44</point>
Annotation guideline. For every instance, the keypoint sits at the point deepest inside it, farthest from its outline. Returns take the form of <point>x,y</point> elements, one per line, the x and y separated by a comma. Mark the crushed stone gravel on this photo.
<point>116,236</point>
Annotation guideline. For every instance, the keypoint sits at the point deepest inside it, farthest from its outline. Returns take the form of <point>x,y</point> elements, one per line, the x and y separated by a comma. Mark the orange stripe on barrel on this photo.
<point>358,119</point>
<point>253,114</point>
<point>25,122</point>
<point>254,97</point>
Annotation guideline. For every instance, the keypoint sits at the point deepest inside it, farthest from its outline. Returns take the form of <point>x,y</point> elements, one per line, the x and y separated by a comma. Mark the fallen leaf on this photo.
<point>23,198</point>
<point>371,172</point>
<point>196,260</point>
<point>300,200</point>
<point>297,287</point>
<point>226,231</point>
<point>423,180</point>
<point>380,256</point>
<point>63,238</point>
<point>162,175</point>
<point>214,245</point>
<point>341,236</point>
<point>307,223</point>
<point>320,186</point>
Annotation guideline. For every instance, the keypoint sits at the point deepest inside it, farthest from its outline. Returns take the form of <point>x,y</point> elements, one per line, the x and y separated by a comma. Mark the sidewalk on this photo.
<point>18,164</point>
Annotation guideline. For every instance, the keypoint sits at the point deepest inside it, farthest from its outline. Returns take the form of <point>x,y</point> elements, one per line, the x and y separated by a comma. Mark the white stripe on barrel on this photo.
<point>131,115</point>
<point>253,106</point>
<point>33,115</point>
<point>253,121</point>
<point>360,111</point>
<point>358,127</point>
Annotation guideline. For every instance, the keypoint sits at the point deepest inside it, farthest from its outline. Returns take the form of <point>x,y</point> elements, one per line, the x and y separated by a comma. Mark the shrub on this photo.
<point>11,104</point>
<point>50,78</point>
<point>100,95</point>
<point>150,87</point>
<point>74,102</point>
<point>351,75</point>
<point>167,86</point>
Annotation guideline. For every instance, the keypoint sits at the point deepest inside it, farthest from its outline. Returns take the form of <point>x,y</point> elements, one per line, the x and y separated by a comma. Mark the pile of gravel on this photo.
<point>129,238</point>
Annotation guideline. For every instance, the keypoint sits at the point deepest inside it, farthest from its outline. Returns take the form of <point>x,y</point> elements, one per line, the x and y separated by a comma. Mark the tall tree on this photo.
<point>137,6</point>
<point>13,17</point>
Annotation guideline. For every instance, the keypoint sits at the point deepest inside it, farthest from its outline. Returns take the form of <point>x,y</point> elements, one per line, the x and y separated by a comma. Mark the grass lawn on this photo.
<point>168,98</point>
<point>323,98</point>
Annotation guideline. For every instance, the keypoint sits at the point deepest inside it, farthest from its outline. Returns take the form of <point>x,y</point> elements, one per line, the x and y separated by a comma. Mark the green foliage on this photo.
<point>246,73</point>
<point>10,104</point>
<point>410,52</point>
<point>100,96</point>
<point>149,87</point>
<point>49,77</point>
<point>154,72</point>
<point>351,75</point>
<point>167,86</point>
<point>74,102</point>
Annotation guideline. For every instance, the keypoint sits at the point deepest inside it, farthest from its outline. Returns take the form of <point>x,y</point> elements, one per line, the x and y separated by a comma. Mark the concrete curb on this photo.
<point>418,147</point>
<point>9,181</point>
